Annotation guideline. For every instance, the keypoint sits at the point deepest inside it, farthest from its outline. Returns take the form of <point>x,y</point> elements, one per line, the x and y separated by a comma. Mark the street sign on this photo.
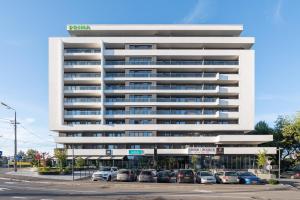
<point>18,157</point>
<point>135,152</point>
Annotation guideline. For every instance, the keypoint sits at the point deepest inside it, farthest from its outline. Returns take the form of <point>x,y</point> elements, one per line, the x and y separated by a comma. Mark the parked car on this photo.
<point>293,173</point>
<point>205,177</point>
<point>248,178</point>
<point>185,176</point>
<point>164,176</point>
<point>126,175</point>
<point>146,176</point>
<point>105,173</point>
<point>227,177</point>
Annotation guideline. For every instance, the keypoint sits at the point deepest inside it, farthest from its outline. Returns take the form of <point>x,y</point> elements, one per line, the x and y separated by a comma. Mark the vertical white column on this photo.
<point>102,81</point>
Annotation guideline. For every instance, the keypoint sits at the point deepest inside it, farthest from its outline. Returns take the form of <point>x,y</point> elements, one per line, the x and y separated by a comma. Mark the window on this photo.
<point>140,46</point>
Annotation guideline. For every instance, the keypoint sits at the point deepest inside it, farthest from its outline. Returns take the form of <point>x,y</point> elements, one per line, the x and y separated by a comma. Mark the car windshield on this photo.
<point>230,174</point>
<point>105,169</point>
<point>187,172</point>
<point>246,174</point>
<point>124,171</point>
<point>205,174</point>
<point>164,173</point>
<point>147,173</point>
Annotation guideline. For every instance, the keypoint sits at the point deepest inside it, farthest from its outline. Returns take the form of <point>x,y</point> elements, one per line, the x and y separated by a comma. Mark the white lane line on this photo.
<point>4,189</point>
<point>203,191</point>
<point>15,197</point>
<point>46,199</point>
<point>10,183</point>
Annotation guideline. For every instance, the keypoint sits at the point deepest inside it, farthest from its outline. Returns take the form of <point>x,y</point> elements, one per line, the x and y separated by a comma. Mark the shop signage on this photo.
<point>202,150</point>
<point>78,27</point>
<point>108,152</point>
<point>219,150</point>
<point>135,152</point>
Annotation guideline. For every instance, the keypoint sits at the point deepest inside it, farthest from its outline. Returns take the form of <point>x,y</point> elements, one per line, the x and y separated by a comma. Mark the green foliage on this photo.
<point>262,159</point>
<point>61,155</point>
<point>30,155</point>
<point>194,160</point>
<point>80,162</point>
<point>273,181</point>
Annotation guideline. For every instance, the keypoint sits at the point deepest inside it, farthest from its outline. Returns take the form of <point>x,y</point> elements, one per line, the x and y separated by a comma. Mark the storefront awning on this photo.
<point>106,158</point>
<point>93,158</point>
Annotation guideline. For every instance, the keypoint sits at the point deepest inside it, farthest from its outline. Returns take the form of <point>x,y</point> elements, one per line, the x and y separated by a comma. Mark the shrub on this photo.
<point>273,181</point>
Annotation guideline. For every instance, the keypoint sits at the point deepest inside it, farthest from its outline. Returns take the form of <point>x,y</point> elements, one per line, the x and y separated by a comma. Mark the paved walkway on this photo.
<point>28,172</point>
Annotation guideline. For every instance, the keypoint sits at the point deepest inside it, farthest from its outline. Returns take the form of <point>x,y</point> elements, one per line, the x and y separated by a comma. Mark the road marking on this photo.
<point>4,189</point>
<point>203,191</point>
<point>15,197</point>
<point>9,182</point>
<point>46,199</point>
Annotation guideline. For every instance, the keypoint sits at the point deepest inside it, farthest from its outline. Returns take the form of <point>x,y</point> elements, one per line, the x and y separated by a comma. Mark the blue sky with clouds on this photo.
<point>26,26</point>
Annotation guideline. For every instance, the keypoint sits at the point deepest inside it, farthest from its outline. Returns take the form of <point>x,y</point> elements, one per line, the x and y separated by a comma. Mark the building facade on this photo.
<point>144,95</point>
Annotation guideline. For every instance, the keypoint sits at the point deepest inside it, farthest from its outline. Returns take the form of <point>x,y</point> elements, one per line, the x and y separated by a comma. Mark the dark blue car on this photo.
<point>249,178</point>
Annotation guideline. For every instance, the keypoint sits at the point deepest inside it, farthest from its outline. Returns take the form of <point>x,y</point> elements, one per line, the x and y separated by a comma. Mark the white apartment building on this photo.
<point>136,95</point>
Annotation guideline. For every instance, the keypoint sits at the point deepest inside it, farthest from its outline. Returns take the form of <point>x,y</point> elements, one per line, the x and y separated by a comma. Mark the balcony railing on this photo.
<point>82,75</point>
<point>173,62</point>
<point>82,50</point>
<point>82,88</point>
<point>79,100</point>
<point>91,62</point>
<point>162,112</point>
<point>160,87</point>
<point>83,112</point>
<point>161,100</point>
<point>208,75</point>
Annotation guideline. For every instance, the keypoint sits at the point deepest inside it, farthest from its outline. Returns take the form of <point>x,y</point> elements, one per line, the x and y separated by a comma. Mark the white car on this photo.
<point>105,173</point>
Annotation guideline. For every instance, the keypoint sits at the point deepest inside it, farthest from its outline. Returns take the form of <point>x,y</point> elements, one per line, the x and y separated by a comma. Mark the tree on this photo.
<point>79,162</point>
<point>30,154</point>
<point>262,128</point>
<point>262,159</point>
<point>61,155</point>
<point>194,160</point>
<point>171,162</point>
<point>291,133</point>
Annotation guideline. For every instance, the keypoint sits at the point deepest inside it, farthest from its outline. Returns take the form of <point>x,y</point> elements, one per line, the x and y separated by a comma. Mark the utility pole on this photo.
<point>279,161</point>
<point>73,162</point>
<point>15,128</point>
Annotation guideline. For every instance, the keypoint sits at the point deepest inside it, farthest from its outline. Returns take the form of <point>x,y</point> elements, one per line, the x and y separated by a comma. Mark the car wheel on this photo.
<point>109,178</point>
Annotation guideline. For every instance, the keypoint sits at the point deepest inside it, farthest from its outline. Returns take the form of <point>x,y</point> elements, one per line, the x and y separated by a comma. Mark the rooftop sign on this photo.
<point>78,27</point>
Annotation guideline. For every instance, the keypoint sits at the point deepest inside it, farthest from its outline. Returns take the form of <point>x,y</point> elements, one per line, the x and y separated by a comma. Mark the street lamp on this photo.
<point>15,125</point>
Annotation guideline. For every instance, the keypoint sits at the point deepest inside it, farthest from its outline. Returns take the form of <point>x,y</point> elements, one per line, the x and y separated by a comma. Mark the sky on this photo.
<point>26,25</point>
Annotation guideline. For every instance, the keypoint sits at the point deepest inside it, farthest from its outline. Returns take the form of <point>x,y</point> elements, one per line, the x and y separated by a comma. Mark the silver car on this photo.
<point>126,175</point>
<point>146,176</point>
<point>205,177</point>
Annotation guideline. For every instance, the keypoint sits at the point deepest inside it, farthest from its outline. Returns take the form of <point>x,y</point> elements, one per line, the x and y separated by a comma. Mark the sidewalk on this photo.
<point>28,172</point>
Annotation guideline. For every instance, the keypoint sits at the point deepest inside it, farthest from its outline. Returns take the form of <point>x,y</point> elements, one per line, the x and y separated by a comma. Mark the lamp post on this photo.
<point>15,127</point>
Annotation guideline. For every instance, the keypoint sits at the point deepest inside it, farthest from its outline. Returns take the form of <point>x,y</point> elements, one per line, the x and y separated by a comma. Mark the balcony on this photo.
<point>82,66</point>
<point>82,102</point>
<point>82,78</point>
<point>174,62</point>
<point>82,114</point>
<point>82,53</point>
<point>82,90</point>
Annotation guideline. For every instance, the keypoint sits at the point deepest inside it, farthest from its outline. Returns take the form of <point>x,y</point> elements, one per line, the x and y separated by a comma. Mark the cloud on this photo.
<point>277,15</point>
<point>270,118</point>
<point>198,13</point>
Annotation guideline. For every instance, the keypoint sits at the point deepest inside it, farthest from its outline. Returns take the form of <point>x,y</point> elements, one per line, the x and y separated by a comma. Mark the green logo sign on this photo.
<point>136,152</point>
<point>78,27</point>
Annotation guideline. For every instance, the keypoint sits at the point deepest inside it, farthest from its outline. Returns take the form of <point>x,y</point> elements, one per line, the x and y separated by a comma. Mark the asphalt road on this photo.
<point>48,190</point>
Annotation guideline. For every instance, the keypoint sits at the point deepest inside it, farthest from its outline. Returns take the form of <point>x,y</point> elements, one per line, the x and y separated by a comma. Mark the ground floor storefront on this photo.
<point>203,162</point>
